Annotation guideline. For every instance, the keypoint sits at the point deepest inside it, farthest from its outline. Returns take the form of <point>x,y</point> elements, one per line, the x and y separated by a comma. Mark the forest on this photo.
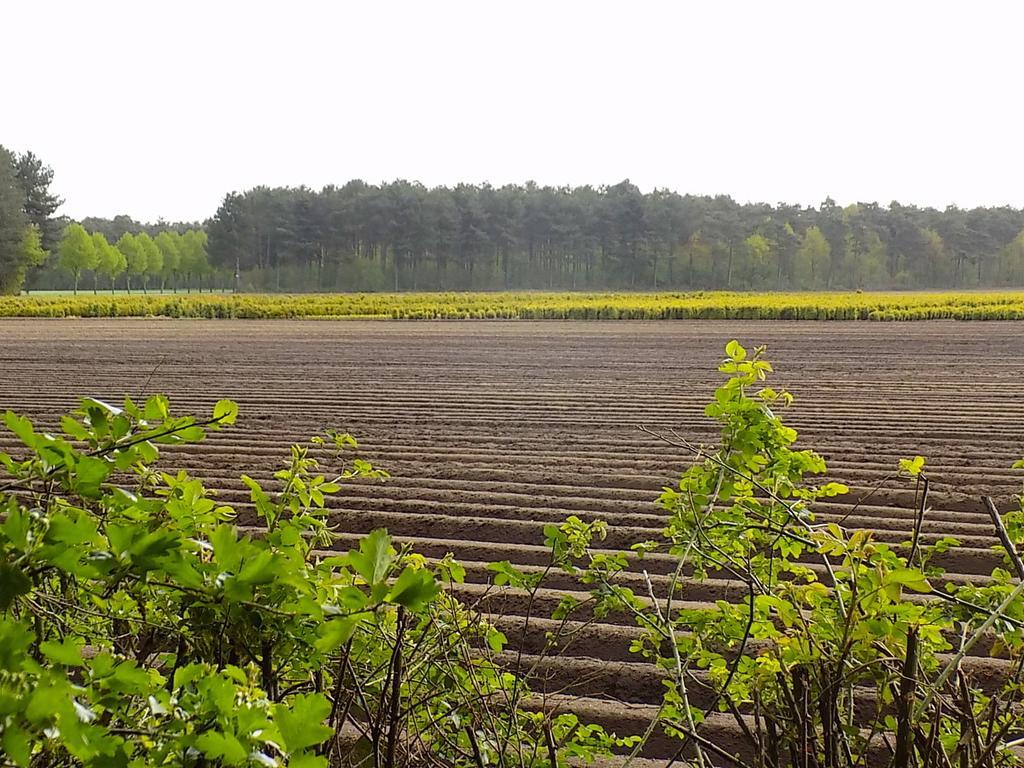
<point>404,236</point>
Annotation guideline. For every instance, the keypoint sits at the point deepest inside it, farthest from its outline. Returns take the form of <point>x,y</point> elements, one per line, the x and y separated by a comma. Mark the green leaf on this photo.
<point>222,746</point>
<point>90,473</point>
<point>68,652</point>
<point>16,745</point>
<point>22,428</point>
<point>73,429</point>
<point>833,489</point>
<point>496,640</point>
<point>191,434</point>
<point>13,584</point>
<point>156,409</point>
<point>259,570</point>
<point>333,634</point>
<point>300,721</point>
<point>64,529</point>
<point>911,578</point>
<point>735,351</point>
<point>16,527</point>
<point>374,557</point>
<point>414,589</point>
<point>15,640</point>
<point>912,466</point>
<point>225,411</point>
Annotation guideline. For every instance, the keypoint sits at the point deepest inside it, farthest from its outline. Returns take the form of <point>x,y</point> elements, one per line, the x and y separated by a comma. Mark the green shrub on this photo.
<point>845,651</point>
<point>141,626</point>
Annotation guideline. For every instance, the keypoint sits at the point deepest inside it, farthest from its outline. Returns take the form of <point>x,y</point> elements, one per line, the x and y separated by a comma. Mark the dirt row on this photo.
<point>492,430</point>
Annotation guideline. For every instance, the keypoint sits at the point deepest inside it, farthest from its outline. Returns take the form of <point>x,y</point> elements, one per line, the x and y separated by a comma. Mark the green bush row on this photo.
<point>534,306</point>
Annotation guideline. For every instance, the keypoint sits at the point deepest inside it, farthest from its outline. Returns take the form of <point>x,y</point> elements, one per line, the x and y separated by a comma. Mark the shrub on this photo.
<point>845,650</point>
<point>140,625</point>
<point>536,306</point>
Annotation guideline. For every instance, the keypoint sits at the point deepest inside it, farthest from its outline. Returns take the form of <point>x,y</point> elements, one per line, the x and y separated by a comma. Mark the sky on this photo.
<point>158,109</point>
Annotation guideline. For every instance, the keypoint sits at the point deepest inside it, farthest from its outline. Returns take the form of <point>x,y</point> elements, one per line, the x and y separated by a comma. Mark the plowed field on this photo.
<point>491,430</point>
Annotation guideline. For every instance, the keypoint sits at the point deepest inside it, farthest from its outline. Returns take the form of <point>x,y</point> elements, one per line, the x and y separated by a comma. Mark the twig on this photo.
<point>905,702</point>
<point>1004,536</point>
<point>919,519</point>
<point>710,746</point>
<point>954,663</point>
<point>549,740</point>
<point>396,691</point>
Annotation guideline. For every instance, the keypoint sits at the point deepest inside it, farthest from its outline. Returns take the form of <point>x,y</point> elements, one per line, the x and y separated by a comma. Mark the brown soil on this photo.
<point>491,430</point>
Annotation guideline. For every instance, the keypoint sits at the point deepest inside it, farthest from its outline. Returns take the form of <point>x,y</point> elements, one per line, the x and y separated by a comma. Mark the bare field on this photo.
<point>491,430</point>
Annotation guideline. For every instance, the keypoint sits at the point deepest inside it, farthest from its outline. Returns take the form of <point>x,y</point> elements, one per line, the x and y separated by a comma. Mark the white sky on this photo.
<point>156,108</point>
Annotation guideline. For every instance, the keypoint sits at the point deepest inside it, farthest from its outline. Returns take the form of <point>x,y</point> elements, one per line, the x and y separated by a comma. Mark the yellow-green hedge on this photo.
<point>531,306</point>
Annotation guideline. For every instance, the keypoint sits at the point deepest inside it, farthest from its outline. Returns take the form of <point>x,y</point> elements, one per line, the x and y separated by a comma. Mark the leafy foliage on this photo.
<point>842,644</point>
<point>77,252</point>
<point>402,235</point>
<point>142,625</point>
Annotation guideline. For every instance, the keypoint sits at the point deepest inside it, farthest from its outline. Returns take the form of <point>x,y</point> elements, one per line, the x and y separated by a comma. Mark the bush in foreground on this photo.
<point>141,626</point>
<point>845,651</point>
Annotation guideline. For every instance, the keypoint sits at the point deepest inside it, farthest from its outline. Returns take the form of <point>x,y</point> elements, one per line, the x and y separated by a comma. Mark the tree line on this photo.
<point>40,249</point>
<point>170,259</point>
<point>404,236</point>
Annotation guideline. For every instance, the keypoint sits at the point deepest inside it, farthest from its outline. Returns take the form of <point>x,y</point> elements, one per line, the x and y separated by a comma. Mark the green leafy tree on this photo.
<point>811,264</point>
<point>170,250</point>
<point>77,252</point>
<point>12,226</point>
<point>110,262</point>
<point>32,252</point>
<point>154,259</point>
<point>135,257</point>
<point>195,262</point>
<point>758,267</point>
<point>937,267</point>
<point>32,247</point>
<point>40,204</point>
<point>1011,262</point>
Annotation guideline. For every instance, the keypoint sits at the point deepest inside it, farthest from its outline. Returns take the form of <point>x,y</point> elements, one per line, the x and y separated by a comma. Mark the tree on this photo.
<point>936,270</point>
<point>31,253</point>
<point>109,261</point>
<point>759,268</point>
<point>13,223</point>
<point>40,204</point>
<point>32,250</point>
<point>77,252</point>
<point>135,258</point>
<point>154,259</point>
<point>812,260</point>
<point>1011,262</point>
<point>194,260</point>
<point>365,237</point>
<point>170,251</point>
